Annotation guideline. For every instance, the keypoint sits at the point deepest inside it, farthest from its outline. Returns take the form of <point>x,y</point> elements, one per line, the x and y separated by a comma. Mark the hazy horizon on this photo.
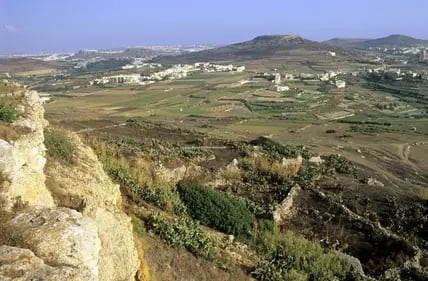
<point>56,26</point>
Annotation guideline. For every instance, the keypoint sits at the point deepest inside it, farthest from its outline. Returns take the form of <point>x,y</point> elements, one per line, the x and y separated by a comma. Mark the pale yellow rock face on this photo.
<point>71,226</point>
<point>118,256</point>
<point>85,186</point>
<point>59,237</point>
<point>22,162</point>
<point>82,185</point>
<point>22,265</point>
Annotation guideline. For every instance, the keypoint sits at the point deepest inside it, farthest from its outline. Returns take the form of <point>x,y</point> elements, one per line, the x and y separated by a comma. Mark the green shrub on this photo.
<point>194,152</point>
<point>216,209</point>
<point>278,151</point>
<point>58,145</point>
<point>340,164</point>
<point>292,257</point>
<point>182,233</point>
<point>8,114</point>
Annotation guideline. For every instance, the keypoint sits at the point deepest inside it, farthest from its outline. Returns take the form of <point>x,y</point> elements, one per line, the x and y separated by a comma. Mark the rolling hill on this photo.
<point>391,41</point>
<point>127,53</point>
<point>261,47</point>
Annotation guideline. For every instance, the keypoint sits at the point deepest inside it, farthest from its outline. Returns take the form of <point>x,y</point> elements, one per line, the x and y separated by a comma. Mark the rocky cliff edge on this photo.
<point>58,221</point>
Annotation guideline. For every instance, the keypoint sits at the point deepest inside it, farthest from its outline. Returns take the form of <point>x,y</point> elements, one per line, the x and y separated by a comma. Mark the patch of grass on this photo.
<point>11,133</point>
<point>369,129</point>
<point>362,119</point>
<point>8,114</point>
<point>292,257</point>
<point>274,109</point>
<point>182,233</point>
<point>138,225</point>
<point>58,145</point>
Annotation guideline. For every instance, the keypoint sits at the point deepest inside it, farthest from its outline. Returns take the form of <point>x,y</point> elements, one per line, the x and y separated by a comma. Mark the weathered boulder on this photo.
<point>118,255</point>
<point>58,236</point>
<point>17,264</point>
<point>375,182</point>
<point>316,160</point>
<point>284,210</point>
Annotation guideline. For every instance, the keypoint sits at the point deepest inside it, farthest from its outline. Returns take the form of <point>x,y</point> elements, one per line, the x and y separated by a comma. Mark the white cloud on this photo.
<point>9,28</point>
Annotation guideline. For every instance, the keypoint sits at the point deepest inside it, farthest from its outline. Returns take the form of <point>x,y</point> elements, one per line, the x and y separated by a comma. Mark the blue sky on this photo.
<point>70,25</point>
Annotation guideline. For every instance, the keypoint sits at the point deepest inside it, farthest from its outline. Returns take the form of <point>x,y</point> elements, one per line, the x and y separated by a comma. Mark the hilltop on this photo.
<point>261,47</point>
<point>391,41</point>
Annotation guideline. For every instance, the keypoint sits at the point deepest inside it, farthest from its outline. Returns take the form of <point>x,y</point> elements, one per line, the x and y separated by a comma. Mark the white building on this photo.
<point>118,79</point>
<point>340,84</point>
<point>289,76</point>
<point>282,88</point>
<point>277,78</point>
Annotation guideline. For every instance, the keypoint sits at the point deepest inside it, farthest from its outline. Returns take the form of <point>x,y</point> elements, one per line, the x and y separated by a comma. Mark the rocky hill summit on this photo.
<point>68,227</point>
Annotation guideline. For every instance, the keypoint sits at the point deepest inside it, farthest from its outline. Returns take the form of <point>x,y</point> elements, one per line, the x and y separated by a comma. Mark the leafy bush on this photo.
<point>182,233</point>
<point>8,114</point>
<point>294,258</point>
<point>340,164</point>
<point>58,145</point>
<point>278,151</point>
<point>216,209</point>
<point>194,152</point>
<point>307,176</point>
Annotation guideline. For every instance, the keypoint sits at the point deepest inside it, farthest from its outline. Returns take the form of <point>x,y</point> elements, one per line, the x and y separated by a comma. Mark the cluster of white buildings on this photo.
<point>328,76</point>
<point>118,79</point>
<point>209,67</point>
<point>175,72</point>
<point>395,74</point>
<point>139,63</point>
<point>398,51</point>
<point>183,70</point>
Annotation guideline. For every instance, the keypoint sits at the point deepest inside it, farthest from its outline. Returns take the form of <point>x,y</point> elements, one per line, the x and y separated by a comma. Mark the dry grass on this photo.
<point>11,133</point>
<point>265,165</point>
<point>422,194</point>
<point>143,273</point>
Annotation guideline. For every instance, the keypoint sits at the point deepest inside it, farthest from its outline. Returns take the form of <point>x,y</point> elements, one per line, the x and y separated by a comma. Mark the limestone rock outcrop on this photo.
<point>57,236</point>
<point>85,187</point>
<point>22,161</point>
<point>19,264</point>
<point>284,210</point>
<point>59,221</point>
